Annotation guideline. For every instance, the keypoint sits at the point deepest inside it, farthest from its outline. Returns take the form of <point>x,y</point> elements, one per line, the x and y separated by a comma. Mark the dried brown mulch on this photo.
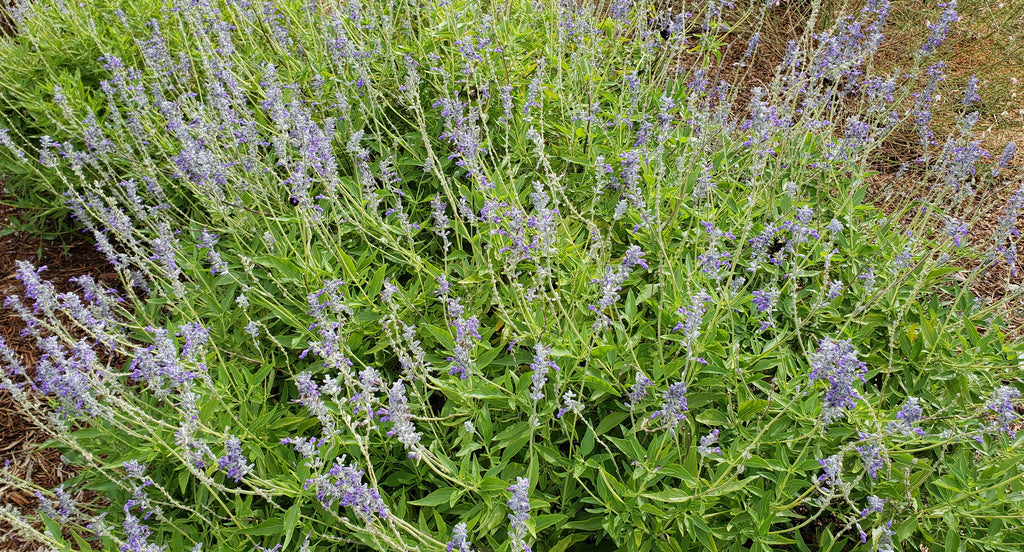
<point>20,439</point>
<point>7,27</point>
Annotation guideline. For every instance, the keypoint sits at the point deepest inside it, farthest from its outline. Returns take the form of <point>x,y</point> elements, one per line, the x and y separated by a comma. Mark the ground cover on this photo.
<point>404,276</point>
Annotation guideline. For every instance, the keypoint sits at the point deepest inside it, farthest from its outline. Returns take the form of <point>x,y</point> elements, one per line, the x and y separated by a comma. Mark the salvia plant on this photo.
<point>469,275</point>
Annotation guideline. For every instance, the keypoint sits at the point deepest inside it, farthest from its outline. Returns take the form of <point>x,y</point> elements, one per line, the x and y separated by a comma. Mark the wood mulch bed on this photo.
<point>20,440</point>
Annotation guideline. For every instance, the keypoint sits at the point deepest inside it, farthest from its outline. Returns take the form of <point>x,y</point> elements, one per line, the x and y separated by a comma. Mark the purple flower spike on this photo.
<point>673,406</point>
<point>541,365</point>
<point>941,28</point>
<point>832,472</point>
<point>459,542</point>
<point>871,457</point>
<point>905,418</point>
<point>398,413</point>
<point>344,485</point>
<point>836,362</point>
<point>707,442</point>
<point>520,506</point>
<point>1001,402</point>
<point>639,389</point>
<point>875,505</point>
<point>234,463</point>
<point>611,283</point>
<point>136,536</point>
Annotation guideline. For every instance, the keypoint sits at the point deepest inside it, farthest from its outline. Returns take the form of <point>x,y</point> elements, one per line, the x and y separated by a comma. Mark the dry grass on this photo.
<point>987,42</point>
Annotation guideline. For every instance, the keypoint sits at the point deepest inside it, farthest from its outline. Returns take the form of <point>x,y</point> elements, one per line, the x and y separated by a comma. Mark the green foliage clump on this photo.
<point>509,276</point>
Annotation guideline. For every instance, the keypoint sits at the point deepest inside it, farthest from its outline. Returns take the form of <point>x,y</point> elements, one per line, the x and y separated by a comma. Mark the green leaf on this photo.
<point>284,270</point>
<point>512,432</point>
<point>83,545</point>
<point>483,360</point>
<point>587,444</point>
<point>291,520</point>
<point>590,524</point>
<point>546,520</point>
<point>775,540</point>
<point>52,527</point>
<point>674,496</point>
<point>436,498</point>
<point>272,526</point>
<point>441,335</point>
<point>700,529</point>
<point>375,285</point>
<point>599,384</point>
<point>610,421</point>
<point>906,528</point>
<point>953,543</point>
<point>486,391</point>
<point>183,479</point>
<point>731,486</point>
<point>565,543</point>
<point>493,484</point>
<point>712,417</point>
<point>751,408</point>
<point>681,473</point>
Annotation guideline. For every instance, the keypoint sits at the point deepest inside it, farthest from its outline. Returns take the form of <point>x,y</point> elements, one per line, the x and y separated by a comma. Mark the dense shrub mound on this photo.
<point>507,276</point>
